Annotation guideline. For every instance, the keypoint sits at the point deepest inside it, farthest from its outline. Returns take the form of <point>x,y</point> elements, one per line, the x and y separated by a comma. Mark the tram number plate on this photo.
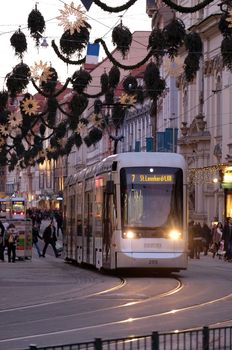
<point>152,245</point>
<point>153,262</point>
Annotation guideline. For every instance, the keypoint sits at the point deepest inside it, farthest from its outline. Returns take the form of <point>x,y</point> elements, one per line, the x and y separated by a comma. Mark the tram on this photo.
<point>13,208</point>
<point>128,211</point>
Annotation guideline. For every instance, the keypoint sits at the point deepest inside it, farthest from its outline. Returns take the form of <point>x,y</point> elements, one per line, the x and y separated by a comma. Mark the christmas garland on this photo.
<point>107,8</point>
<point>184,9</point>
<point>118,64</point>
<point>65,59</point>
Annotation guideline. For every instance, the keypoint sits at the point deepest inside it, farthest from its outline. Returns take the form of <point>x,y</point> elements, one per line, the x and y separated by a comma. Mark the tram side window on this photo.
<point>79,209</point>
<point>72,202</point>
<point>98,206</point>
<point>88,208</point>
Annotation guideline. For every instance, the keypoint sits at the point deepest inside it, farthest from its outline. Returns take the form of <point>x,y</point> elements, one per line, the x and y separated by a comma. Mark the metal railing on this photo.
<point>198,339</point>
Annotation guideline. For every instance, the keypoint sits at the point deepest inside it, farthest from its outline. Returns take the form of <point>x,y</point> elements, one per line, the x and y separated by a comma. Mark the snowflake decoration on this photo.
<point>4,130</point>
<point>2,141</point>
<point>38,69</point>
<point>96,120</point>
<point>174,67</point>
<point>72,18</point>
<point>30,106</point>
<point>229,19</point>
<point>15,120</point>
<point>126,99</point>
<point>81,129</point>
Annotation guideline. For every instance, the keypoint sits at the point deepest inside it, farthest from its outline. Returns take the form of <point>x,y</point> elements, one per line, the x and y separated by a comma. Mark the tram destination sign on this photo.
<point>150,178</point>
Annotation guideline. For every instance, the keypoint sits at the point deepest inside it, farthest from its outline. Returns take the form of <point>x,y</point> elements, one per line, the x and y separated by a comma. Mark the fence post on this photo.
<point>98,344</point>
<point>205,338</point>
<point>155,341</point>
<point>33,347</point>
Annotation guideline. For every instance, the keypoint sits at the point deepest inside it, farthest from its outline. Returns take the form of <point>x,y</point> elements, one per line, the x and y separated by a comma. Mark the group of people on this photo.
<point>217,239</point>
<point>9,239</point>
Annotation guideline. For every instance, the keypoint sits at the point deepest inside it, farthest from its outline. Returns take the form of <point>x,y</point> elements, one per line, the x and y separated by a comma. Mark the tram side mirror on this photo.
<point>110,187</point>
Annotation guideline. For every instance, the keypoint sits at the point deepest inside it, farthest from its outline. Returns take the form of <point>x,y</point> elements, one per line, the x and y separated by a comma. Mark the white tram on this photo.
<point>128,211</point>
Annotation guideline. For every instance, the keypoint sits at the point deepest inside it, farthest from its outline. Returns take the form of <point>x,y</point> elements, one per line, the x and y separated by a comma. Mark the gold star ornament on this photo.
<point>126,99</point>
<point>72,18</point>
<point>30,106</point>
<point>38,69</point>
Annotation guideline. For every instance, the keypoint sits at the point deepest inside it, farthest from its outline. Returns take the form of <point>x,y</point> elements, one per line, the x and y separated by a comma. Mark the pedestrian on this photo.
<point>207,237</point>
<point>49,237</point>
<point>2,241</point>
<point>197,240</point>
<point>59,221</point>
<point>216,237</point>
<point>11,242</point>
<point>227,238</point>
<point>35,236</point>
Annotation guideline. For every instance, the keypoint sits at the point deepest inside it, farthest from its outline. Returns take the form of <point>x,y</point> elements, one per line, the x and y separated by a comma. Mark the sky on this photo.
<point>14,14</point>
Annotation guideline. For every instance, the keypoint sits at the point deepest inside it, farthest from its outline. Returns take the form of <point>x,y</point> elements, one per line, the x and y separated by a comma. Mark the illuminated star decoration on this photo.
<point>30,106</point>
<point>72,18</point>
<point>174,67</point>
<point>229,19</point>
<point>15,120</point>
<point>4,130</point>
<point>126,99</point>
<point>38,69</point>
<point>81,129</point>
<point>96,120</point>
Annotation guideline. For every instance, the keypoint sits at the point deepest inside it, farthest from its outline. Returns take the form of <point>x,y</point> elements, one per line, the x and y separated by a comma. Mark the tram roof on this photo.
<point>130,159</point>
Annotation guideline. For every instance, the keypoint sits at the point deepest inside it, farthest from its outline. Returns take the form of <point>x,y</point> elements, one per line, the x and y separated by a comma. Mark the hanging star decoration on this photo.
<point>4,130</point>
<point>126,99</point>
<point>15,120</point>
<point>229,19</point>
<point>72,18</point>
<point>30,106</point>
<point>96,120</point>
<point>37,71</point>
<point>173,67</point>
<point>81,129</point>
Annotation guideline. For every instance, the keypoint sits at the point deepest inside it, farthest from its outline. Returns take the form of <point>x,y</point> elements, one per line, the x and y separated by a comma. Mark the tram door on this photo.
<point>88,223</point>
<point>107,227</point>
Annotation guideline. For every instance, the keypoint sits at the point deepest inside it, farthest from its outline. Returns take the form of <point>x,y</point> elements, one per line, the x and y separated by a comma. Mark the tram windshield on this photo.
<point>152,197</point>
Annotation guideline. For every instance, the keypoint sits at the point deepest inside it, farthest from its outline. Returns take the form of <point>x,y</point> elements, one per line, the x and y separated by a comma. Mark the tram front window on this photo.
<point>152,198</point>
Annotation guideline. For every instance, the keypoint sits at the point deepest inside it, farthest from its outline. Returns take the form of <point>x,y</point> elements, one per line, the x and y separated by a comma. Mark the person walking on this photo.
<point>59,221</point>
<point>49,237</point>
<point>2,241</point>
<point>35,236</point>
<point>216,237</point>
<point>11,242</point>
<point>227,238</point>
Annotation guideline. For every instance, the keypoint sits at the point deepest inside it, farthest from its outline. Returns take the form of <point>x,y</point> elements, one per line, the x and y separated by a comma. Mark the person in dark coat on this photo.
<point>2,240</point>
<point>59,221</point>
<point>49,237</point>
<point>197,240</point>
<point>11,242</point>
<point>227,238</point>
<point>207,238</point>
<point>35,236</point>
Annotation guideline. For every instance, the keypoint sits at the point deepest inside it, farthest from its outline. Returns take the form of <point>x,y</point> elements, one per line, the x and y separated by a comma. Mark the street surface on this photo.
<point>46,301</point>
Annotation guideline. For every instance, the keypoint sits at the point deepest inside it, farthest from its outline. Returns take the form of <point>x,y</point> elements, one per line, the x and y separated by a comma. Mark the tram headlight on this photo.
<point>129,234</point>
<point>174,235</point>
